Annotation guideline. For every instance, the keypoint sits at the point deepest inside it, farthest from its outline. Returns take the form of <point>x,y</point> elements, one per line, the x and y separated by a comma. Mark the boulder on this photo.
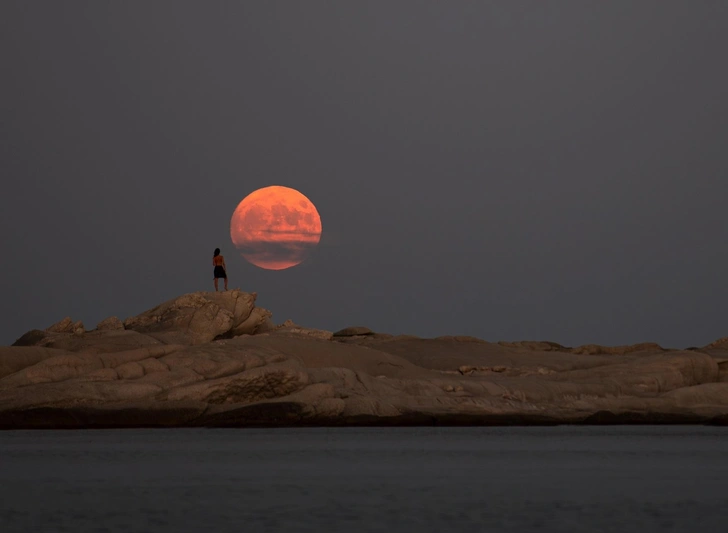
<point>721,343</point>
<point>110,324</point>
<point>258,321</point>
<point>77,328</point>
<point>62,326</point>
<point>353,331</point>
<point>201,317</point>
<point>31,338</point>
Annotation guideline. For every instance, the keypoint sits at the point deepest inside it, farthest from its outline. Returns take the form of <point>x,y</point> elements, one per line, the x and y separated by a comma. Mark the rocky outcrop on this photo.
<point>194,318</point>
<point>720,344</point>
<point>595,349</point>
<point>62,326</point>
<point>352,331</point>
<point>31,338</point>
<point>109,324</point>
<point>215,359</point>
<point>198,317</point>
<point>541,346</point>
<point>585,349</point>
<point>291,329</point>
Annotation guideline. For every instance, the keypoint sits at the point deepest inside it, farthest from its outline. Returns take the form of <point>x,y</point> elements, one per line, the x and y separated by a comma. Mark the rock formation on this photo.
<point>110,323</point>
<point>215,359</point>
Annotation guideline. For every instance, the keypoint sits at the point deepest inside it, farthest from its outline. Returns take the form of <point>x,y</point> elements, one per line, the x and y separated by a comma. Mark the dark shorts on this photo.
<point>220,272</point>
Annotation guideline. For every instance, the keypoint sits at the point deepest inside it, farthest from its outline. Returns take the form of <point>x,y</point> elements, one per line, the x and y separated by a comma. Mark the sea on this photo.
<point>431,479</point>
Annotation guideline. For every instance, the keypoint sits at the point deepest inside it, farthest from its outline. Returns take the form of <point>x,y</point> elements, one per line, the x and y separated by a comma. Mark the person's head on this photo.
<point>217,252</point>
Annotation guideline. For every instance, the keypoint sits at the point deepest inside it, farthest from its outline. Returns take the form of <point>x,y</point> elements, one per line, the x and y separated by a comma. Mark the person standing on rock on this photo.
<point>220,270</point>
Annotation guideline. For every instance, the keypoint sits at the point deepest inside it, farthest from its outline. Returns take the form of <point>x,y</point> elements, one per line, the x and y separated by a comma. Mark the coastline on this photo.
<point>218,360</point>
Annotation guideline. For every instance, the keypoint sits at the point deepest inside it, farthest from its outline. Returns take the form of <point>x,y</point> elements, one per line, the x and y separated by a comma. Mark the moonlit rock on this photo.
<point>111,323</point>
<point>62,326</point>
<point>217,360</point>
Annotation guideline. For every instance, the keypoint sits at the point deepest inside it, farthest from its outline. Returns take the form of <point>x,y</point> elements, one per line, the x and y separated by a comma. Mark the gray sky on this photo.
<point>510,170</point>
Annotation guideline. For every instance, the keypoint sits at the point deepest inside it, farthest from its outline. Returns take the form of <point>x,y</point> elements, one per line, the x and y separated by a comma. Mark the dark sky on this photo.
<point>509,170</point>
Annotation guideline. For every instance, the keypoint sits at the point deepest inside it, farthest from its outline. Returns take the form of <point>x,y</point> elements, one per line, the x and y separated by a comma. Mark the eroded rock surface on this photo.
<point>111,323</point>
<point>201,317</point>
<point>215,359</point>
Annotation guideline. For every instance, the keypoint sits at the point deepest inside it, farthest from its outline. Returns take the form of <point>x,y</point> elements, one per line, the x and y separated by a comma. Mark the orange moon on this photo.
<point>275,227</point>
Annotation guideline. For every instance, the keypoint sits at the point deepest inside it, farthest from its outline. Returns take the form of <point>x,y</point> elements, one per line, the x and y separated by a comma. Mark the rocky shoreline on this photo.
<point>218,360</point>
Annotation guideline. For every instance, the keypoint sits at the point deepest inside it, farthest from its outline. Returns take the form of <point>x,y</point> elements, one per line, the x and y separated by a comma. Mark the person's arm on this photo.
<point>224,266</point>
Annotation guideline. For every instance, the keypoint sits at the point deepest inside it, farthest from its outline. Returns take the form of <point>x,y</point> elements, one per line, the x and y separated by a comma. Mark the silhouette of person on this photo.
<point>220,269</point>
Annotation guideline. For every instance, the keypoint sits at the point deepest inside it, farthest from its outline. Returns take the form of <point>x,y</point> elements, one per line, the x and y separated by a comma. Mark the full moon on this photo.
<point>275,227</point>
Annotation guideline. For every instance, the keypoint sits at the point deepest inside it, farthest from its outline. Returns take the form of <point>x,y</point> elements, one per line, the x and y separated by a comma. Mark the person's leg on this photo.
<point>225,282</point>
<point>215,284</point>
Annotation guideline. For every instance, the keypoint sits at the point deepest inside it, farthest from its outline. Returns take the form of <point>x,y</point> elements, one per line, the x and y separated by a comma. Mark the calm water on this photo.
<point>620,479</point>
